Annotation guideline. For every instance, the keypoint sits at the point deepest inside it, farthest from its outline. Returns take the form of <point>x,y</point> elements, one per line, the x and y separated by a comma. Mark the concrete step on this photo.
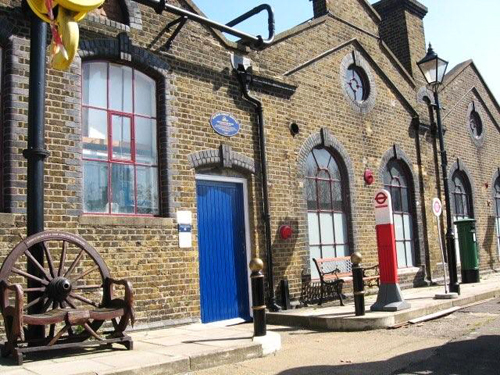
<point>342,318</point>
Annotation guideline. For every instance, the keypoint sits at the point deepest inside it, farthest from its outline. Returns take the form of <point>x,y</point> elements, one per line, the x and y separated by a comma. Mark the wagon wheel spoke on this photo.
<point>38,265</point>
<point>28,290</point>
<point>83,299</point>
<point>75,263</point>
<point>50,261</point>
<point>34,302</point>
<point>63,258</point>
<point>29,276</point>
<point>83,274</point>
<point>47,304</point>
<point>87,287</point>
<point>70,303</point>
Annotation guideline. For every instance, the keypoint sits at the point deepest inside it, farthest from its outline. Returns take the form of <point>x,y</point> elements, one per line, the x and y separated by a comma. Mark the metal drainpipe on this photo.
<point>36,153</point>
<point>244,78</point>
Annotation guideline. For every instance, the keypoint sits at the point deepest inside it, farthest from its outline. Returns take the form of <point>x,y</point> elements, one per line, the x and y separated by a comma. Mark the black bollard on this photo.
<point>358,285</point>
<point>258,301</point>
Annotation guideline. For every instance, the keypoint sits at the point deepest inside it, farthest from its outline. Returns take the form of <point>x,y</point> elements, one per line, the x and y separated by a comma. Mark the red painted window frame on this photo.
<point>110,160</point>
<point>399,186</point>
<point>465,197</point>
<point>318,209</point>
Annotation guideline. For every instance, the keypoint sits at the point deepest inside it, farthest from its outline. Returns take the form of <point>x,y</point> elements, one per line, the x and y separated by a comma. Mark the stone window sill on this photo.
<point>408,270</point>
<point>128,221</point>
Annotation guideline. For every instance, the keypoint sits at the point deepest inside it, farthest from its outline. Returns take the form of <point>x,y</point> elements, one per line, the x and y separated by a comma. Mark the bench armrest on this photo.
<point>335,272</point>
<point>16,311</point>
<point>128,298</point>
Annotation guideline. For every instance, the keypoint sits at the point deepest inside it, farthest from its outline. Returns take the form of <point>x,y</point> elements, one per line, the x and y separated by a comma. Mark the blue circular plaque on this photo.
<point>224,124</point>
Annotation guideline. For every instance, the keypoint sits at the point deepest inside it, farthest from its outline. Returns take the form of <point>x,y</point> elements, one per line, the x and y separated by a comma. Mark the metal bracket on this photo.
<point>37,153</point>
<point>254,42</point>
<point>181,21</point>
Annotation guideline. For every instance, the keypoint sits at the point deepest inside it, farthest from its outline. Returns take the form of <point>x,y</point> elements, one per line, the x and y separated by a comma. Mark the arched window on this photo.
<point>462,202</point>
<point>396,181</point>
<point>497,210</point>
<point>326,207</point>
<point>119,140</point>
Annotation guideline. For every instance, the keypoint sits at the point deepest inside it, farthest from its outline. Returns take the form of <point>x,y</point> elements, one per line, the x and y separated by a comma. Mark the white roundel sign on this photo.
<point>437,207</point>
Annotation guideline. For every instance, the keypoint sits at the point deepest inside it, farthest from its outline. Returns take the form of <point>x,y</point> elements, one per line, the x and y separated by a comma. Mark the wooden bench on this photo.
<point>337,271</point>
<point>71,291</point>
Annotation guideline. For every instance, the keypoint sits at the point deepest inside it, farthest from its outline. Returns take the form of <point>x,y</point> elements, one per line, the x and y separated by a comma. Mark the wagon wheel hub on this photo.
<point>59,288</point>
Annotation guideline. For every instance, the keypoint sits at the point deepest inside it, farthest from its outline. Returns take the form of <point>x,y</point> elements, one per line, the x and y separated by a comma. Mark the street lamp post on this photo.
<point>434,68</point>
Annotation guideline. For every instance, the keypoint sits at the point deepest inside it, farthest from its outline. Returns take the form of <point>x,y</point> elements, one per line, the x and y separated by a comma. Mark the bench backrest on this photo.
<point>328,265</point>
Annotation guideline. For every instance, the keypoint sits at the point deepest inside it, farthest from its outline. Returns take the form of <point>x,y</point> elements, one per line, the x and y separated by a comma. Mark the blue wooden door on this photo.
<point>222,252</point>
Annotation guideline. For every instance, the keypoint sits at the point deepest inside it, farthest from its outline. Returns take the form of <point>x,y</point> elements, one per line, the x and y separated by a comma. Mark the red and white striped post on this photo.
<point>389,294</point>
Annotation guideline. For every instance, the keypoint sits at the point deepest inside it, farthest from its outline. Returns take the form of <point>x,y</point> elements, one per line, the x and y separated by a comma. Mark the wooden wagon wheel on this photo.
<point>72,269</point>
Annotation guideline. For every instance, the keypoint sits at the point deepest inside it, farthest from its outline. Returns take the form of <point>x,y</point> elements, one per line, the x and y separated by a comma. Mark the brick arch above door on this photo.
<point>223,157</point>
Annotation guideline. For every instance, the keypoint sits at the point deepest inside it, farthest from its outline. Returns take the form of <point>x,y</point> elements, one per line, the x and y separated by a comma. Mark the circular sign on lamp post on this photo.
<point>437,207</point>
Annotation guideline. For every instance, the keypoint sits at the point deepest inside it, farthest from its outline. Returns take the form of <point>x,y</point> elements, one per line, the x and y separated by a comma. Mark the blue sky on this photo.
<point>458,29</point>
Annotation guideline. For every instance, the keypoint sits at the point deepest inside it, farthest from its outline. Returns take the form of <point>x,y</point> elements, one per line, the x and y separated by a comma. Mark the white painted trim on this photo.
<point>248,244</point>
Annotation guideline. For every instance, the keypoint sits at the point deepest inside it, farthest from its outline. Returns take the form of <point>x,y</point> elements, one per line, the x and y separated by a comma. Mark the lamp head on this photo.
<point>433,67</point>
<point>241,63</point>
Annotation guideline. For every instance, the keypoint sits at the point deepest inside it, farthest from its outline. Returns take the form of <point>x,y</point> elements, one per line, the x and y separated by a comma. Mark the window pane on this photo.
<point>95,84</point>
<point>144,95</point>
<point>326,222</point>
<point>311,167</point>
<point>396,198</point>
<point>340,228</point>
<point>342,251</point>
<point>325,202</point>
<point>337,196</point>
<point>401,254</point>
<point>328,252</point>
<point>333,168</point>
<point>95,134</point>
<point>410,261</point>
<point>405,201</point>
<point>322,157</point>
<point>147,190</point>
<point>312,223</point>
<point>95,188</point>
<point>314,252</point>
<point>122,185</point>
<point>498,206</point>
<point>408,227</point>
<point>120,88</point>
<point>312,203</point>
<point>465,204</point>
<point>398,227</point>
<point>145,141</point>
<point>121,137</point>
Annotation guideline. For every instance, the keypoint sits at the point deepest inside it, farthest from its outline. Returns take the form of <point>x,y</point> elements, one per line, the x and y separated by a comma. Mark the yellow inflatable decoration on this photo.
<point>64,27</point>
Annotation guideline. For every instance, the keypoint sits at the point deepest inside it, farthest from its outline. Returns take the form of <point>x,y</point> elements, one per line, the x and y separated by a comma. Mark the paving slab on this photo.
<point>342,318</point>
<point>169,351</point>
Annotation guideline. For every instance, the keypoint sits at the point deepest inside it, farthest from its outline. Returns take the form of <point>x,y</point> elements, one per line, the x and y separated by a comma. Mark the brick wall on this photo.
<point>194,80</point>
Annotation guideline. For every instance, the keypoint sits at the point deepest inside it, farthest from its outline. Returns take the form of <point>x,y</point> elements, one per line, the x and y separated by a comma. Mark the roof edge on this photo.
<point>459,69</point>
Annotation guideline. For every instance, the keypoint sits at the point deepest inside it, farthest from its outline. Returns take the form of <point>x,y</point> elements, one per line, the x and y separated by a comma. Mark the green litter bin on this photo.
<point>466,230</point>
